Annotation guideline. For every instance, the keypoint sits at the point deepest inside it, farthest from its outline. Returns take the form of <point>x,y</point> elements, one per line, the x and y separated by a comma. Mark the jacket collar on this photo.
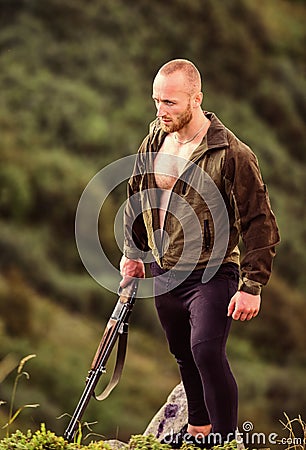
<point>216,136</point>
<point>217,133</point>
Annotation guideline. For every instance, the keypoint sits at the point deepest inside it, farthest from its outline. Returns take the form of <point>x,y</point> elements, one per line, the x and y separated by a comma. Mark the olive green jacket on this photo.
<point>219,197</point>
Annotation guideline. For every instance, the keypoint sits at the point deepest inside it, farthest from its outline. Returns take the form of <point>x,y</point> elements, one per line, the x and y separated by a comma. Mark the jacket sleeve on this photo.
<point>254,218</point>
<point>135,235</point>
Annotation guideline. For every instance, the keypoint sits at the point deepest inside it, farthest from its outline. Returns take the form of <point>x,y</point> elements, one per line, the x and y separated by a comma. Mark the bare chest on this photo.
<point>170,162</point>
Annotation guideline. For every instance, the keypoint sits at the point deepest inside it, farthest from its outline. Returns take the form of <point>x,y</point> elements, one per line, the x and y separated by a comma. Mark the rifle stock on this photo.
<point>117,327</point>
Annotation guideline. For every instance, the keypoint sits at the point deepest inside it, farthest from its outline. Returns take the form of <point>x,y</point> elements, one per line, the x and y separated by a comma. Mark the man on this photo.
<point>193,178</point>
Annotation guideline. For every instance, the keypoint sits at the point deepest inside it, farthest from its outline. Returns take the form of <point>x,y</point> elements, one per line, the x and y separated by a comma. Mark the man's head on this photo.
<point>190,75</point>
<point>177,94</point>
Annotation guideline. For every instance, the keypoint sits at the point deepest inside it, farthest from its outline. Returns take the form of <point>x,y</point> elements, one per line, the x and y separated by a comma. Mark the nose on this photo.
<point>160,111</point>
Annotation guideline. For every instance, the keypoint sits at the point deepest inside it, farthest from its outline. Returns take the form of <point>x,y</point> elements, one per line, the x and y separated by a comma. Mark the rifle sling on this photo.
<point>120,358</point>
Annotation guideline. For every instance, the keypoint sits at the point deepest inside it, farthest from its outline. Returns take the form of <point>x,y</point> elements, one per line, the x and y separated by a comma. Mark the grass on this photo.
<point>44,439</point>
<point>12,416</point>
<point>294,426</point>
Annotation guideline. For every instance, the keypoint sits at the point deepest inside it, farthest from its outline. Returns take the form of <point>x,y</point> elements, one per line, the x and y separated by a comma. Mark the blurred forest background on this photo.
<point>75,95</point>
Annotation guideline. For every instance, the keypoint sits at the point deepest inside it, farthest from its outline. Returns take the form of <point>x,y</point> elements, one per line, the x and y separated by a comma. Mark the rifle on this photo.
<point>116,328</point>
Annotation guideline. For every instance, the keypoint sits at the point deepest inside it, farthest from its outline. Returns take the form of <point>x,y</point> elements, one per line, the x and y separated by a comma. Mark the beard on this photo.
<point>179,122</point>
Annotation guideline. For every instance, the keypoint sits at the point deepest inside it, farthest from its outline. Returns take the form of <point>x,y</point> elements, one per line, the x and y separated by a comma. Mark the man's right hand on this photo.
<point>131,268</point>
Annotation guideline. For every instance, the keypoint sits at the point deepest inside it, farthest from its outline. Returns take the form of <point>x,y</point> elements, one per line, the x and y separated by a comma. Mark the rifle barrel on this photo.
<point>115,326</point>
<point>81,406</point>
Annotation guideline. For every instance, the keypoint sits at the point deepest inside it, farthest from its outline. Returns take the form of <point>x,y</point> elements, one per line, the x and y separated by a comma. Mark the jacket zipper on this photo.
<point>207,236</point>
<point>196,161</point>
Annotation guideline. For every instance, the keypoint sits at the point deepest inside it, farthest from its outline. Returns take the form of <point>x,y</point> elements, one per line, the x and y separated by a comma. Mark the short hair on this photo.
<point>189,70</point>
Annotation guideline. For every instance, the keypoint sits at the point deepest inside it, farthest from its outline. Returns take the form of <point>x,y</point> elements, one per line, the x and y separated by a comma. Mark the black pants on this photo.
<point>194,317</point>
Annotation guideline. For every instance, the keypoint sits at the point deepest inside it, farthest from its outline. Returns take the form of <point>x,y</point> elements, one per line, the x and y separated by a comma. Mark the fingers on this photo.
<point>130,269</point>
<point>244,314</point>
<point>136,273</point>
<point>244,306</point>
<point>231,308</point>
<point>125,281</point>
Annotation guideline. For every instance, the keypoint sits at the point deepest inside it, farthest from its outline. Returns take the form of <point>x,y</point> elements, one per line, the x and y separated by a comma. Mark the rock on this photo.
<point>116,445</point>
<point>172,416</point>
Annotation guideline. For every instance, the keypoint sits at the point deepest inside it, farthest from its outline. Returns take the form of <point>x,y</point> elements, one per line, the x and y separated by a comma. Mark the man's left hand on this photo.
<point>244,306</point>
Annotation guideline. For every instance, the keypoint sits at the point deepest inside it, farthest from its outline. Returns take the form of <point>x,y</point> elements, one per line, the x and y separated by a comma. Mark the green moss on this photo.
<point>44,439</point>
<point>47,440</point>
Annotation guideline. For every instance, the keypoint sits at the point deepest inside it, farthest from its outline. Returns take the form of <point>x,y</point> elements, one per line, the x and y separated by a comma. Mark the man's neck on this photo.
<point>195,129</point>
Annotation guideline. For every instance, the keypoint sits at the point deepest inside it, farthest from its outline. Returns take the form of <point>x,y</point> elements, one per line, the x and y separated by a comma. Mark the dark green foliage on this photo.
<point>75,85</point>
<point>15,191</point>
<point>44,440</point>
<point>15,296</point>
<point>47,440</point>
<point>146,442</point>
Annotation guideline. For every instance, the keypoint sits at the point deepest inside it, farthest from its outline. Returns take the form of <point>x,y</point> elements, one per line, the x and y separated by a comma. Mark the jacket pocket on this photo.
<point>207,235</point>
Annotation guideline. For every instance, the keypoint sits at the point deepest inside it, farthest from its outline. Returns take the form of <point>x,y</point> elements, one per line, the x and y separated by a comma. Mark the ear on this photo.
<point>197,99</point>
